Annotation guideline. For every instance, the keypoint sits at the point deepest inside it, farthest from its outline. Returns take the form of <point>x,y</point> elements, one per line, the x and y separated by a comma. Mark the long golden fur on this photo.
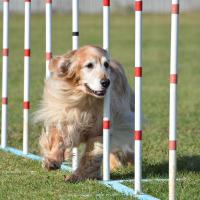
<point>72,111</point>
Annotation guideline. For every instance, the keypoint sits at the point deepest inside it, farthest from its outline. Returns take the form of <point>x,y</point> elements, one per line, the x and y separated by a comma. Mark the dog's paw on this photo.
<point>73,178</point>
<point>50,164</point>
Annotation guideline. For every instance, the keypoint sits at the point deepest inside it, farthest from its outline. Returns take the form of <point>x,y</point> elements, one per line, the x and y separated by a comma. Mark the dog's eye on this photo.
<point>89,65</point>
<point>106,65</point>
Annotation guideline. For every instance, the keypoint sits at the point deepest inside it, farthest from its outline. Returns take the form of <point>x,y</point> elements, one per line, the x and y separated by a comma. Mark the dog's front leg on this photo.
<point>90,164</point>
<point>52,146</point>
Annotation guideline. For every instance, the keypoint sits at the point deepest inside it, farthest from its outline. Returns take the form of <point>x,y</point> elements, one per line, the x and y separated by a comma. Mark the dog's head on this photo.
<point>86,69</point>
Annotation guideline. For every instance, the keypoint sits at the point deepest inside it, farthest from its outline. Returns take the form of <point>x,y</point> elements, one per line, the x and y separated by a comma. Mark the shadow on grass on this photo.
<point>184,164</point>
<point>123,173</point>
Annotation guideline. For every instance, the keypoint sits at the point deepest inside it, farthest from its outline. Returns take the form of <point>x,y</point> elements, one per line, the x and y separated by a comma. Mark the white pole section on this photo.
<point>75,35</point>
<point>106,109</point>
<point>27,53</point>
<point>75,22</point>
<point>138,96</point>
<point>5,54</point>
<point>173,106</point>
<point>48,35</point>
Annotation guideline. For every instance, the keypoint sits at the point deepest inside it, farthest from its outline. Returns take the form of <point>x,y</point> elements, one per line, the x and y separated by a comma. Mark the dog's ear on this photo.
<point>61,64</point>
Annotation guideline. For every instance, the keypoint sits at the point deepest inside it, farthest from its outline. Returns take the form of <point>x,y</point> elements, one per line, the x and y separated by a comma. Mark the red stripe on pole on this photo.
<point>4,100</point>
<point>106,2</point>
<point>5,52</point>
<point>27,52</point>
<point>48,1</point>
<point>175,9</point>
<point>27,0</point>
<point>26,105</point>
<point>138,135</point>
<point>138,71</point>
<point>172,145</point>
<point>173,78</point>
<point>48,55</point>
<point>5,0</point>
<point>106,124</point>
<point>138,5</point>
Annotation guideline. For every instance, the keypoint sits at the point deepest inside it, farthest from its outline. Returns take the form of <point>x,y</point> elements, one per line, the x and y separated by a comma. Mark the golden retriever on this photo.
<point>72,111</point>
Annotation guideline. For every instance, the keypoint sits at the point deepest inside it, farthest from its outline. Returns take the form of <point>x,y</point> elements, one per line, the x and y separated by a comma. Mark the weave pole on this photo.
<point>138,96</point>
<point>75,35</point>
<point>173,94</point>
<point>106,108</point>
<point>5,54</point>
<point>48,35</point>
<point>27,53</point>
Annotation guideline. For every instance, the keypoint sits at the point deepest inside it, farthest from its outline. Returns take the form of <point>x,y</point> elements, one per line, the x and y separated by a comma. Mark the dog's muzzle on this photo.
<point>105,83</point>
<point>100,93</point>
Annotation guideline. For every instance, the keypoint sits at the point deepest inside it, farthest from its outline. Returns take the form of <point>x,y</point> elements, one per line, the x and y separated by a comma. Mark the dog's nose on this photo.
<point>105,83</point>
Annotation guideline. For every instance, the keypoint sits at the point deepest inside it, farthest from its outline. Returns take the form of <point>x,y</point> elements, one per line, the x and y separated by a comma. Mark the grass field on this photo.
<point>24,179</point>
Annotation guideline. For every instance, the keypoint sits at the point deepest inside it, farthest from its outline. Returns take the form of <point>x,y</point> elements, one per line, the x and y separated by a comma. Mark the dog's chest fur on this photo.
<point>86,119</point>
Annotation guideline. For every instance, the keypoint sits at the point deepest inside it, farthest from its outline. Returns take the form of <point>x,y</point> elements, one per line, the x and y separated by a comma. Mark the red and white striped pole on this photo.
<point>106,109</point>
<point>138,96</point>
<point>173,105</point>
<point>48,35</point>
<point>75,36</point>
<point>27,53</point>
<point>5,54</point>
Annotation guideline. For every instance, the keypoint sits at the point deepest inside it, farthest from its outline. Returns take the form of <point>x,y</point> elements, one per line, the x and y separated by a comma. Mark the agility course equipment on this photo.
<point>75,36</point>
<point>138,95</point>
<point>172,104</point>
<point>115,184</point>
<point>106,106</point>
<point>5,54</point>
<point>48,23</point>
<point>27,54</point>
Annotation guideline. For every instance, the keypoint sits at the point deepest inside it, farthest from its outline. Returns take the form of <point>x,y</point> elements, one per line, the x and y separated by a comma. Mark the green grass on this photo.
<point>25,179</point>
